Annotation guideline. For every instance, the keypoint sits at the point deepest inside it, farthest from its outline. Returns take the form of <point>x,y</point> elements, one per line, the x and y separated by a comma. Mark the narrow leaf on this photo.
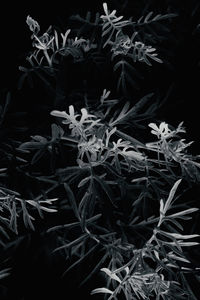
<point>72,200</point>
<point>171,195</point>
<point>111,274</point>
<point>101,290</point>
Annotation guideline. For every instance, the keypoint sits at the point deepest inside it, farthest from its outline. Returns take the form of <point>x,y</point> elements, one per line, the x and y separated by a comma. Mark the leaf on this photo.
<point>4,273</point>
<point>68,170</point>
<point>55,131</point>
<point>96,268</point>
<point>101,290</point>
<point>82,208</point>
<point>140,104</point>
<point>74,224</point>
<point>111,23</point>
<point>188,244</point>
<point>105,7</point>
<point>148,17</point>
<point>118,65</point>
<point>122,23</point>
<point>31,145</point>
<point>5,107</point>
<point>117,19</point>
<point>73,243</point>
<point>38,155</point>
<point>161,207</point>
<point>39,206</point>
<point>4,233</point>
<point>182,237</point>
<point>171,196</point>
<point>106,31</point>
<point>111,274</point>
<point>26,217</point>
<point>125,114</point>
<point>84,181</point>
<point>184,212</point>
<point>174,222</point>
<point>147,20</point>
<point>109,39</point>
<point>43,79</point>
<point>175,250</point>
<point>187,287</point>
<point>9,191</point>
<point>72,200</point>
<point>105,187</point>
<point>21,80</point>
<point>56,39</point>
<point>13,218</point>
<point>83,257</point>
<point>173,256</point>
<point>163,17</point>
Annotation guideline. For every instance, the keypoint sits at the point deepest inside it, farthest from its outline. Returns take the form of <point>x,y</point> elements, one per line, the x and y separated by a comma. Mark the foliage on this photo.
<point>164,248</point>
<point>123,49</point>
<point>115,177</point>
<point>12,207</point>
<point>107,171</point>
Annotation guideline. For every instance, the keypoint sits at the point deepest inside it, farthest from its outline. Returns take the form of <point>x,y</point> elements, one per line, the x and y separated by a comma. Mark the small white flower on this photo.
<point>126,150</point>
<point>121,144</point>
<point>82,127</point>
<point>33,25</point>
<point>93,146</point>
<point>70,118</point>
<point>162,131</point>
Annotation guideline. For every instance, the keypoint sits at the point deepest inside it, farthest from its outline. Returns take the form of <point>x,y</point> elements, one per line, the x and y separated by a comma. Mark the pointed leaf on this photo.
<point>101,290</point>
<point>72,200</point>
<point>84,181</point>
<point>105,187</point>
<point>171,195</point>
<point>111,274</point>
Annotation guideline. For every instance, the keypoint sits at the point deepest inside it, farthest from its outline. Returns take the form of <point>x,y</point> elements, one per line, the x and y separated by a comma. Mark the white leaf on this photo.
<point>127,270</point>
<point>111,274</point>
<point>182,237</point>
<point>57,113</point>
<point>105,7</point>
<point>101,290</point>
<point>171,255</point>
<point>171,195</point>
<point>188,244</point>
<point>184,212</point>
<point>47,209</point>
<point>161,206</point>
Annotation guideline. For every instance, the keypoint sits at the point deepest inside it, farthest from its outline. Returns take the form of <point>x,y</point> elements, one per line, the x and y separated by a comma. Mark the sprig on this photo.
<point>13,207</point>
<point>111,24</point>
<point>136,279</point>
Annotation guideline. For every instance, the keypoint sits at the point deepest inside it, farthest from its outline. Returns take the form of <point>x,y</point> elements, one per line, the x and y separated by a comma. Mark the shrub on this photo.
<point>117,175</point>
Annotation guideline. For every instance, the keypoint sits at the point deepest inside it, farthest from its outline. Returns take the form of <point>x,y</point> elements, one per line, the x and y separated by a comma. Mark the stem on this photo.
<point>48,58</point>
